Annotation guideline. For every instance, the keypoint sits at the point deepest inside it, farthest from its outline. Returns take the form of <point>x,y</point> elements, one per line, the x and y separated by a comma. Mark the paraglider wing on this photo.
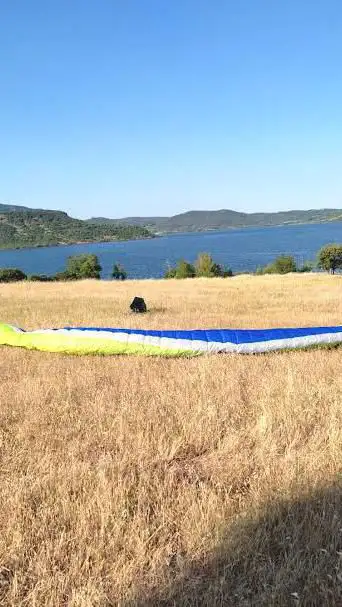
<point>91,340</point>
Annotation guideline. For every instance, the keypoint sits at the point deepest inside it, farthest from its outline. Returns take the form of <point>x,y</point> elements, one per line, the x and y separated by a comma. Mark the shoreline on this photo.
<point>247,227</point>
<point>72,244</point>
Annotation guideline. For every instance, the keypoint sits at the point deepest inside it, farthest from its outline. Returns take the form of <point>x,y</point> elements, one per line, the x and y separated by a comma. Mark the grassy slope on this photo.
<point>178,482</point>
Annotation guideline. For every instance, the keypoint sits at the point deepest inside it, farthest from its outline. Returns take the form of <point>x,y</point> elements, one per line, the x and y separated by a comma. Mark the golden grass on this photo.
<point>135,481</point>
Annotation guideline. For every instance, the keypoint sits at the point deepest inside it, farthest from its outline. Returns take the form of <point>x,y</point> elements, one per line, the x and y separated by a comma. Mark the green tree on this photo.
<point>11,275</point>
<point>206,266</point>
<point>284,264</point>
<point>330,258</point>
<point>183,269</point>
<point>119,273</point>
<point>83,266</point>
<point>307,266</point>
<point>170,273</point>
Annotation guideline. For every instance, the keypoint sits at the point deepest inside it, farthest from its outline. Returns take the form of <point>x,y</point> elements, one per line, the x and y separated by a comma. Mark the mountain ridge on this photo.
<point>22,226</point>
<point>195,221</point>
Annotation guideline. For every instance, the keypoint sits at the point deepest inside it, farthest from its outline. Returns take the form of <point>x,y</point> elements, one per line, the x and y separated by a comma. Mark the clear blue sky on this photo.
<point>124,107</point>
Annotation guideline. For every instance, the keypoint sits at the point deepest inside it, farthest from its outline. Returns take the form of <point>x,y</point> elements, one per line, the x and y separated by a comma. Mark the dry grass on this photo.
<point>211,481</point>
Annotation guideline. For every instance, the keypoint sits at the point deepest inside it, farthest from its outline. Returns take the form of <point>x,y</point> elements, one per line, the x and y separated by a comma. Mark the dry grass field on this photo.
<point>135,481</point>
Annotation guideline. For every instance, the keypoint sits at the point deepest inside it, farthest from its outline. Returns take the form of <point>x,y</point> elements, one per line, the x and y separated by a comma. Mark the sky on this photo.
<point>154,107</point>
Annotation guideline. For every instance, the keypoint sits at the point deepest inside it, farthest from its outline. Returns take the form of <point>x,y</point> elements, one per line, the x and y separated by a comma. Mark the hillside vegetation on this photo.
<point>34,226</point>
<point>199,221</point>
<point>6,208</point>
<point>211,481</point>
<point>25,228</point>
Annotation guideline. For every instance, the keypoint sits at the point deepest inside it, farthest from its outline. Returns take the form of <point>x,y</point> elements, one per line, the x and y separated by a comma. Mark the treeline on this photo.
<point>329,259</point>
<point>204,266</point>
<point>80,267</point>
<point>285,264</point>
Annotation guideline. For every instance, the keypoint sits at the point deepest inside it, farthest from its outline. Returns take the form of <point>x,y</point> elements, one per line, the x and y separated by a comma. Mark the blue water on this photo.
<point>242,250</point>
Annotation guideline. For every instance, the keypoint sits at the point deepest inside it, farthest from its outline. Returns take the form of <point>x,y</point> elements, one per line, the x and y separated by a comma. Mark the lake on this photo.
<point>242,250</point>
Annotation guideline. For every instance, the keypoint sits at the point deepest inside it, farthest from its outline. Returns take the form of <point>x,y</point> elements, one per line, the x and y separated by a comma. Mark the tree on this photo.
<point>284,264</point>
<point>307,266</point>
<point>11,275</point>
<point>330,258</point>
<point>83,266</point>
<point>183,269</point>
<point>170,273</point>
<point>205,266</point>
<point>119,273</point>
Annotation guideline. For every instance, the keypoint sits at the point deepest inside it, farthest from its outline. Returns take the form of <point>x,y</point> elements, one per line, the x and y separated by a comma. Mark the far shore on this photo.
<point>160,234</point>
<point>72,244</point>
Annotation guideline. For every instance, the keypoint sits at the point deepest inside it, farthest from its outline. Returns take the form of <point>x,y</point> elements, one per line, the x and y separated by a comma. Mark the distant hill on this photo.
<point>133,221</point>
<point>31,228</point>
<point>200,221</point>
<point>24,227</point>
<point>7,208</point>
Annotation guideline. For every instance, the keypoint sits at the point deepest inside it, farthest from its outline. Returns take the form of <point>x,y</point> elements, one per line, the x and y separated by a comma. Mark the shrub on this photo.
<point>40,278</point>
<point>205,266</point>
<point>11,275</point>
<point>183,269</point>
<point>227,272</point>
<point>284,264</point>
<point>119,273</point>
<point>83,266</point>
<point>170,273</point>
<point>269,269</point>
<point>308,266</point>
<point>62,277</point>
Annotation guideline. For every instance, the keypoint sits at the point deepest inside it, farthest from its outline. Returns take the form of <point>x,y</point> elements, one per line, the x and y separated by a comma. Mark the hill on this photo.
<point>200,221</point>
<point>133,221</point>
<point>30,228</point>
<point>24,227</point>
<point>211,481</point>
<point>6,208</point>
